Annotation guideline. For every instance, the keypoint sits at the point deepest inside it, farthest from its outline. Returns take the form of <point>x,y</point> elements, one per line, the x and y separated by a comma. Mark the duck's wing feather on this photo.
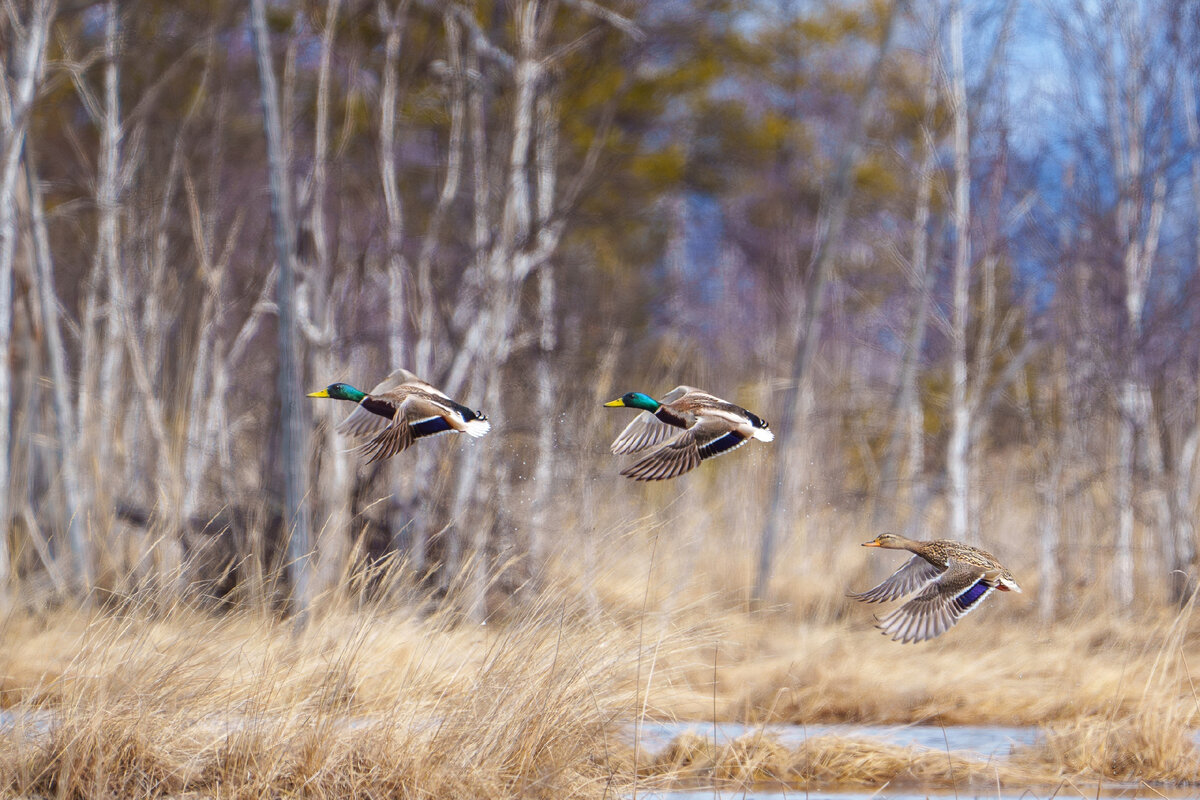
<point>377,411</point>
<point>396,379</point>
<point>404,380</point>
<point>944,602</point>
<point>677,392</point>
<point>417,416</point>
<point>419,407</point>
<point>705,439</point>
<point>368,419</point>
<point>392,440</point>
<point>912,575</point>
<point>647,430</point>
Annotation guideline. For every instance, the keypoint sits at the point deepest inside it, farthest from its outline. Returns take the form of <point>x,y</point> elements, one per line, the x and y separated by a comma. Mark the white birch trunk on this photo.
<point>397,267</point>
<point>1123,546</point>
<point>1187,471</point>
<point>334,485</point>
<point>507,268</point>
<point>908,426</point>
<point>294,450</point>
<point>64,418</point>
<point>393,206</point>
<point>957,455</point>
<point>1137,230</point>
<point>192,468</point>
<point>1183,494</point>
<point>547,385</point>
<point>1049,491</point>
<point>828,238</point>
<point>14,116</point>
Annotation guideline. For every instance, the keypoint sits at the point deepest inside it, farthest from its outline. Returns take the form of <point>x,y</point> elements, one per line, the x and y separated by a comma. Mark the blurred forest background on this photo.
<point>950,251</point>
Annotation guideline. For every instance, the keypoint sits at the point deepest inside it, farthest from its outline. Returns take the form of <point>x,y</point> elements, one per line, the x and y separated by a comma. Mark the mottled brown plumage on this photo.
<point>953,579</point>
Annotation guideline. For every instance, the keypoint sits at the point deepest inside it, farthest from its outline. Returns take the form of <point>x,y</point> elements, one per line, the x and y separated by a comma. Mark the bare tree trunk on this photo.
<point>829,237</point>
<point>334,487</point>
<point>14,117</point>
<point>1123,546</point>
<point>107,249</point>
<point>957,456</point>
<point>547,385</point>
<point>545,157</point>
<point>1187,470</point>
<point>1041,412</point>
<point>908,422</point>
<point>1138,226</point>
<point>454,157</point>
<point>398,277</point>
<point>507,268</point>
<point>396,267</point>
<point>203,398</point>
<point>294,451</point>
<point>64,419</point>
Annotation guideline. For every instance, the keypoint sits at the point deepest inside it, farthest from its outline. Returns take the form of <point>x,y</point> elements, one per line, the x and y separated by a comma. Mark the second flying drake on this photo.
<point>397,417</point>
<point>711,426</point>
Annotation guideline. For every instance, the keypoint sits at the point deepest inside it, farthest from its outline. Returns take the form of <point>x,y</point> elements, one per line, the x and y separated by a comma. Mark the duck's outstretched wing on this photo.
<point>369,419</point>
<point>943,603</point>
<point>417,416</point>
<point>647,430</point>
<point>377,412</point>
<point>706,439</point>
<point>912,575</point>
<point>398,378</point>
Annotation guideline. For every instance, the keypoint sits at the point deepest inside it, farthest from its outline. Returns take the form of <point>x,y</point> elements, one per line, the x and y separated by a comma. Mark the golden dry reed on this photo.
<point>402,697</point>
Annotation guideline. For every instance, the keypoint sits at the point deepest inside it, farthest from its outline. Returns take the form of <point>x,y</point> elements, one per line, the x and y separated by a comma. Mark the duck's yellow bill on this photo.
<point>872,543</point>
<point>322,393</point>
<point>618,403</point>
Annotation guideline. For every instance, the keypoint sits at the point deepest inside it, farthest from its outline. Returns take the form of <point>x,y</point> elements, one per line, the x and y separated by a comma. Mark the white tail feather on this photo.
<point>477,427</point>
<point>764,435</point>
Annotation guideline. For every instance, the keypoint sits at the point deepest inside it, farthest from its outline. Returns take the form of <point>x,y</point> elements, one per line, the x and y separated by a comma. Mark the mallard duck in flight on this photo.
<point>711,426</point>
<point>397,417</point>
<point>953,579</point>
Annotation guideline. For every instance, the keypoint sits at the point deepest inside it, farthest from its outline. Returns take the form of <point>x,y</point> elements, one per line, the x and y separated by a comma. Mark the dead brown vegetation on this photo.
<point>405,698</point>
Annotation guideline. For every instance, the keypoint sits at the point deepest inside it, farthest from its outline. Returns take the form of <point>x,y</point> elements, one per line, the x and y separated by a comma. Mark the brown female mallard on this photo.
<point>711,426</point>
<point>953,579</point>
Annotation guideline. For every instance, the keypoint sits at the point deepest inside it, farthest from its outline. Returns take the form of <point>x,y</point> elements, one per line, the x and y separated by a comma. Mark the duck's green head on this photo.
<point>340,391</point>
<point>635,400</point>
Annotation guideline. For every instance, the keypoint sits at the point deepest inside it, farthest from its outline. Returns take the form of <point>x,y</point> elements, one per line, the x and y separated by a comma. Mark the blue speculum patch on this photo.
<point>972,595</point>
<point>720,445</point>
<point>427,427</point>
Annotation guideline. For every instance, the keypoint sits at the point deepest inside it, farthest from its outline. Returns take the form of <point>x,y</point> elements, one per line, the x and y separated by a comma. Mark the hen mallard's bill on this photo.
<point>400,410</point>
<point>952,579</point>
<point>710,427</point>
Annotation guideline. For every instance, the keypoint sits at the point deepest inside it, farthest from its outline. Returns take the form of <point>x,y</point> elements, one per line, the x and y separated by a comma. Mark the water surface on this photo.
<point>988,741</point>
<point>1129,792</point>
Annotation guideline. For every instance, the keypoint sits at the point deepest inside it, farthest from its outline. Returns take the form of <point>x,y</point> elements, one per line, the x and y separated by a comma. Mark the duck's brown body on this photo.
<point>953,579</point>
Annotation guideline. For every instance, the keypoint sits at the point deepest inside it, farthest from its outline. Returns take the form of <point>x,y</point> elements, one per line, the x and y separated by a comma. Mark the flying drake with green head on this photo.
<point>396,417</point>
<point>711,426</point>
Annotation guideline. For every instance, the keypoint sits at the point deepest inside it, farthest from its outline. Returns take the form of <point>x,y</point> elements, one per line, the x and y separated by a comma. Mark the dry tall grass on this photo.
<point>365,702</point>
<point>403,698</point>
